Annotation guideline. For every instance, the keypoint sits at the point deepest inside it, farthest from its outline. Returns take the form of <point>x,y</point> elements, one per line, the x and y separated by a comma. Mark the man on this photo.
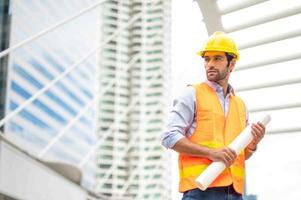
<point>205,119</point>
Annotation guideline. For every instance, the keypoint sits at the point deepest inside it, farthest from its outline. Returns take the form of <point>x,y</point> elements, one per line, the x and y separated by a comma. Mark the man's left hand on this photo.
<point>258,131</point>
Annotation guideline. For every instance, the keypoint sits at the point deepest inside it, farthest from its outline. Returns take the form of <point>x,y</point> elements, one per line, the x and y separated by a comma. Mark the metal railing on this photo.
<point>50,28</point>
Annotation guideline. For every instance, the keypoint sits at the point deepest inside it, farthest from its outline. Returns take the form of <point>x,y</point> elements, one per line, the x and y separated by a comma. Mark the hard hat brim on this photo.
<point>201,53</point>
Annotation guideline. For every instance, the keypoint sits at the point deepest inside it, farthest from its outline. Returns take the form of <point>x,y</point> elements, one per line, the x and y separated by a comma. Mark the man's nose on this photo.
<point>210,64</point>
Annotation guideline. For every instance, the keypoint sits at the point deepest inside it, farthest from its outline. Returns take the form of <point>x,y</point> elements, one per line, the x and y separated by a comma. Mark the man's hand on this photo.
<point>225,155</point>
<point>258,131</point>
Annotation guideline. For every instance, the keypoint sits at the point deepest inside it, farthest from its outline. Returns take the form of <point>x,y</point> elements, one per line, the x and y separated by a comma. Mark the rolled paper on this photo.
<point>216,168</point>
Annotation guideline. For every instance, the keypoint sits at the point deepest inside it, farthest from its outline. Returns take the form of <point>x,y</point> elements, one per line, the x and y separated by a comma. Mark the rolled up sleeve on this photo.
<point>180,118</point>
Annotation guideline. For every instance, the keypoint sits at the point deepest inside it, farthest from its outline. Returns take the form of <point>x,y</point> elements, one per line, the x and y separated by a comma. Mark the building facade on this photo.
<point>59,125</point>
<point>134,94</point>
<point>4,42</point>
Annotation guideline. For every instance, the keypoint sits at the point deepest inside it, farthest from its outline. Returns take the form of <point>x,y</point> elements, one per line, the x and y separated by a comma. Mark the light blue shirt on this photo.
<point>182,118</point>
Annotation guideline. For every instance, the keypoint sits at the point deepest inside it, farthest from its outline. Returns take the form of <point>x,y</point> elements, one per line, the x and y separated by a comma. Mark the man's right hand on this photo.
<point>225,155</point>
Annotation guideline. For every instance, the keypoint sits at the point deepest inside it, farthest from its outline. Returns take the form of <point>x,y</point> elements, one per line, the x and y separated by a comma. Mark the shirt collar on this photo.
<point>216,87</point>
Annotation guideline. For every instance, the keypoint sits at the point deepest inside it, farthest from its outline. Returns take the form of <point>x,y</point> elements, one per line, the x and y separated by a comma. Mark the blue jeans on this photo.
<point>216,193</point>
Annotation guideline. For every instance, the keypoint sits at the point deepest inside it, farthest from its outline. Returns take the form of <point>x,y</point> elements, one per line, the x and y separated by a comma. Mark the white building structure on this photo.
<point>133,102</point>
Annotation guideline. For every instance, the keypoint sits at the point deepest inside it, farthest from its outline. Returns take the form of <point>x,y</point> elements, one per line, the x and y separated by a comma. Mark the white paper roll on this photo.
<point>216,168</point>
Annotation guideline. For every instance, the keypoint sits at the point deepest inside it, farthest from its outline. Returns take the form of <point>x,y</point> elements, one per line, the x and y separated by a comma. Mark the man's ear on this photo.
<point>232,64</point>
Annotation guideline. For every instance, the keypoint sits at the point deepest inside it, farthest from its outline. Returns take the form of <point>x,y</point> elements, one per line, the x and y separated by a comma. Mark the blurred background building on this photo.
<point>40,126</point>
<point>4,39</point>
<point>86,86</point>
<point>133,100</point>
<point>73,86</point>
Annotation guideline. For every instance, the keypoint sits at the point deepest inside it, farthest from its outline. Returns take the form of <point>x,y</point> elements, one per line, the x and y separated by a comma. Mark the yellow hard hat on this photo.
<point>220,41</point>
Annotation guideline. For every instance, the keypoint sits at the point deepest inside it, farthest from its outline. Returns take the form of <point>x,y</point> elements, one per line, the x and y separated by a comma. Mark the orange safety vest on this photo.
<point>215,131</point>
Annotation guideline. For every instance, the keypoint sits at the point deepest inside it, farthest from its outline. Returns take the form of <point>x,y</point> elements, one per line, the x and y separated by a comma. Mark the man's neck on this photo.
<point>224,85</point>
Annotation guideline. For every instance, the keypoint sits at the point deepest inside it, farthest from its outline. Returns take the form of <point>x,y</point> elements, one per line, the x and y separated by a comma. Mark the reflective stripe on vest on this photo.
<point>215,131</point>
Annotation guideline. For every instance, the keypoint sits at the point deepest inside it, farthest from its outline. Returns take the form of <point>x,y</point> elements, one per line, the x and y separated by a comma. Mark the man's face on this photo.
<point>216,66</point>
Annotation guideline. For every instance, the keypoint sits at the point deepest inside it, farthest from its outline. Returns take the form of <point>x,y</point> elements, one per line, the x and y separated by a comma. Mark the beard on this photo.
<point>216,75</point>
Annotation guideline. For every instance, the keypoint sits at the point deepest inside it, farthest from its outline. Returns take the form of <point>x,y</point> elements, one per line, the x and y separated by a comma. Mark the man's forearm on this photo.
<point>185,146</point>
<point>248,154</point>
<point>249,151</point>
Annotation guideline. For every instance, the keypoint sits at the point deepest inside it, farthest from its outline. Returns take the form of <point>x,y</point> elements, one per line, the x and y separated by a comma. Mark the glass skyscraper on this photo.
<point>69,100</point>
<point>4,42</point>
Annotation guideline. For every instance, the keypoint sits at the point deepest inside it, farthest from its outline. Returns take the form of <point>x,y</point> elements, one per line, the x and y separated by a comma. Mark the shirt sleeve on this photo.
<point>180,118</point>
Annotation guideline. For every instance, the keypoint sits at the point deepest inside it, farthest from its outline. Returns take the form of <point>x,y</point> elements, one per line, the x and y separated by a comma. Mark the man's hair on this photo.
<point>229,57</point>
